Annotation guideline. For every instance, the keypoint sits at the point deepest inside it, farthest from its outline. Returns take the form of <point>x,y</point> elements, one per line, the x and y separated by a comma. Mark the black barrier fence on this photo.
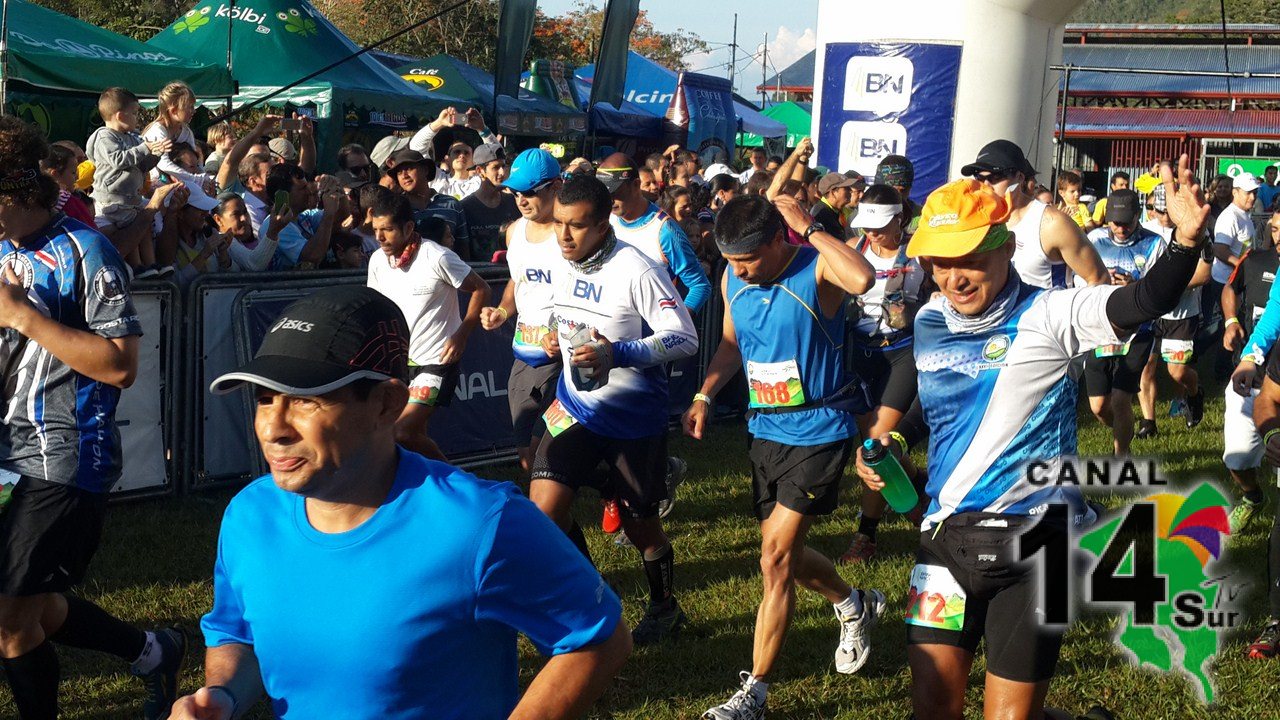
<point>206,441</point>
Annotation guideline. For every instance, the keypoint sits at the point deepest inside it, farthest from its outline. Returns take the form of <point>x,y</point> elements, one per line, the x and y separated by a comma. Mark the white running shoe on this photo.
<point>742,706</point>
<point>855,633</point>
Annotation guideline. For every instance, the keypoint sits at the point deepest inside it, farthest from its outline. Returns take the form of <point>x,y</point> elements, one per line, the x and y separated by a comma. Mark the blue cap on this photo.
<point>531,167</point>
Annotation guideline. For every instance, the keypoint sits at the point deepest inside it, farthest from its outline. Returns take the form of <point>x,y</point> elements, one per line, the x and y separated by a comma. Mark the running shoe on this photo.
<point>676,469</point>
<point>611,520</point>
<point>660,622</point>
<point>1146,429</point>
<point>855,633</point>
<point>743,705</point>
<point>1243,514</point>
<point>860,550</point>
<point>162,683</point>
<point>1195,409</point>
<point>1264,648</point>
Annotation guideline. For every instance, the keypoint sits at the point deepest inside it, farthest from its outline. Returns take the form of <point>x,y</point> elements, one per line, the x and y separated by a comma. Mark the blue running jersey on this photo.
<point>791,354</point>
<point>59,425</point>
<point>998,398</point>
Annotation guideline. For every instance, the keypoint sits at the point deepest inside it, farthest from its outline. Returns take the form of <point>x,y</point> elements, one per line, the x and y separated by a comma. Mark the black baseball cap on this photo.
<point>326,341</point>
<point>1122,207</point>
<point>999,155</point>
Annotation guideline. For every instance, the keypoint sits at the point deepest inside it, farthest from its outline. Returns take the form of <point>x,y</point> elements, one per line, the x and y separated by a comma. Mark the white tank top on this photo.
<point>531,265</point>
<point>1032,264</point>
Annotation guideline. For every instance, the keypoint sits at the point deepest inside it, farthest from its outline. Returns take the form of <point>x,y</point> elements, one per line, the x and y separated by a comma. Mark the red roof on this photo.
<point>1156,122</point>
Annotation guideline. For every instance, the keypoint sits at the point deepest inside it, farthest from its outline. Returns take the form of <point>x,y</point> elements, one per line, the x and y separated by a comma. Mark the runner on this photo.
<point>993,355</point>
<point>784,326</point>
<point>423,279</point>
<point>618,321</point>
<point>1112,372</point>
<point>69,343</point>
<point>642,224</point>
<point>532,253</point>
<point>883,321</point>
<point>1175,334</point>
<point>1244,300</point>
<point>899,173</point>
<point>1048,242</point>
<point>1266,414</point>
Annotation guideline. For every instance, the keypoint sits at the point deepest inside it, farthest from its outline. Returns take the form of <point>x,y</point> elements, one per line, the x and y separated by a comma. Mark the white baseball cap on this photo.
<point>718,169</point>
<point>872,216</point>
<point>1246,182</point>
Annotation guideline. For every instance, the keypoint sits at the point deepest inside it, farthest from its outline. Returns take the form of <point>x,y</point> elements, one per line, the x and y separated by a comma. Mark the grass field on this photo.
<point>156,558</point>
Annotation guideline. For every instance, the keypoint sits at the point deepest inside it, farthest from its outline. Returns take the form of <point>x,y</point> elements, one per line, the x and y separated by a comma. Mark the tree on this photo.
<point>575,38</point>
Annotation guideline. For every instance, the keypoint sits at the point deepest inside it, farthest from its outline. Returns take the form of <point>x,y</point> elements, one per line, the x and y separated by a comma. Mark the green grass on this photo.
<point>154,565</point>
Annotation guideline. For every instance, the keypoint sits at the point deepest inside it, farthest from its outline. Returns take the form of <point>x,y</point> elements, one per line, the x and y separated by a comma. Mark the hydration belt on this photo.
<point>853,398</point>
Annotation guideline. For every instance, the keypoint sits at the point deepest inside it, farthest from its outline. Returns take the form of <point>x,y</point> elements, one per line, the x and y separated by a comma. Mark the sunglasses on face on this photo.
<point>359,169</point>
<point>993,177</point>
<point>534,190</point>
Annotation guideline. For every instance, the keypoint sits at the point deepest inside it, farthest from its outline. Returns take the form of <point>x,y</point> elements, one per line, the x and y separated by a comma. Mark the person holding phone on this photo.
<point>1112,373</point>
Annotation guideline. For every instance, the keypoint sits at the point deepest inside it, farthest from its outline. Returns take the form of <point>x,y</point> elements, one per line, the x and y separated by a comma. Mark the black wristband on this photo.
<point>1178,248</point>
<point>235,704</point>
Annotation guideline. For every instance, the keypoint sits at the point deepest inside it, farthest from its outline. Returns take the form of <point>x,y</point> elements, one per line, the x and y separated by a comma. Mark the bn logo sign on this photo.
<point>880,85</point>
<point>864,144</point>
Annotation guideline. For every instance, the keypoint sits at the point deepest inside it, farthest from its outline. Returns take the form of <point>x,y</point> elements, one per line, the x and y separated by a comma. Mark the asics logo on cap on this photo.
<point>944,219</point>
<point>285,323</point>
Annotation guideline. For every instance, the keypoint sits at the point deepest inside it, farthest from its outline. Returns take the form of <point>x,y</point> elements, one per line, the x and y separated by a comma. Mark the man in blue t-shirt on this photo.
<point>360,580</point>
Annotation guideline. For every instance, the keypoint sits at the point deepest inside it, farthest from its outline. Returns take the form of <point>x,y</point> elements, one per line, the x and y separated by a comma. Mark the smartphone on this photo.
<point>281,202</point>
<point>164,178</point>
<point>293,124</point>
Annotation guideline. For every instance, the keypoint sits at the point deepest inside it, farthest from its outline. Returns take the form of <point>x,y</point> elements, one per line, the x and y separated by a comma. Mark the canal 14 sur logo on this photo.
<point>1156,560</point>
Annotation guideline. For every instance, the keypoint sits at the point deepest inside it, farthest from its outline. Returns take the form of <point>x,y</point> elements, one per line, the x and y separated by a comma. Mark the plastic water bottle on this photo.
<point>584,379</point>
<point>898,490</point>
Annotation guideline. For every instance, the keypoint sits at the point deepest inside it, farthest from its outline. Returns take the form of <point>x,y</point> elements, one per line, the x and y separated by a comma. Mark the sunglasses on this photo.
<point>359,169</point>
<point>992,177</point>
<point>535,189</point>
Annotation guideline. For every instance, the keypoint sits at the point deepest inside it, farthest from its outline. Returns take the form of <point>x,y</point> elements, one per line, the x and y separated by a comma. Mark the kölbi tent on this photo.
<point>58,66</point>
<point>798,117</point>
<point>529,114</point>
<point>276,42</point>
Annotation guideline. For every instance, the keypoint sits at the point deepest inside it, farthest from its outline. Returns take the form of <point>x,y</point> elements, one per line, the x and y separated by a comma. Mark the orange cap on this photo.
<point>956,219</point>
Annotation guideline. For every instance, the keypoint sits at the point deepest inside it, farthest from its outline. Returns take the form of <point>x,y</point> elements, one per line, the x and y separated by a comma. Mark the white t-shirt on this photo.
<point>427,293</point>
<point>156,132</point>
<point>1235,230</point>
<point>871,301</point>
<point>531,265</point>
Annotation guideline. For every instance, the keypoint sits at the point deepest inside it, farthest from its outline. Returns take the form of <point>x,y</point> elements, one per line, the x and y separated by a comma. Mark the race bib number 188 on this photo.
<point>935,599</point>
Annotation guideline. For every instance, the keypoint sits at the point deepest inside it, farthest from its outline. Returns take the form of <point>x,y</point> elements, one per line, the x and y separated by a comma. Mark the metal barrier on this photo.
<point>147,414</point>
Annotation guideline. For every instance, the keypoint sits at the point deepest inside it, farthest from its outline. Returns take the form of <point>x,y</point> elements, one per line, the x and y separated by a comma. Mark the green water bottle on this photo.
<point>898,490</point>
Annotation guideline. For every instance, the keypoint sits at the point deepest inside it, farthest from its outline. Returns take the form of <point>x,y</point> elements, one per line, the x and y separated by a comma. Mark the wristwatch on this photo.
<point>815,227</point>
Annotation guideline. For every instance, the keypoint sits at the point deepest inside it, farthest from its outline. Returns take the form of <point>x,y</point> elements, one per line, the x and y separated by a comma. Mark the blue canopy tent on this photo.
<point>651,86</point>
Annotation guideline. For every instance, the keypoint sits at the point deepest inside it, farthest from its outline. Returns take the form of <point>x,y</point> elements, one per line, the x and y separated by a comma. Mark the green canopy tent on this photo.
<point>277,42</point>
<point>529,115</point>
<point>58,65</point>
<point>798,117</point>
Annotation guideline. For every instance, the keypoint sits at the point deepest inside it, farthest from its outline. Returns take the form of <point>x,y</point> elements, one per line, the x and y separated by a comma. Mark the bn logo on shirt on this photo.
<point>586,290</point>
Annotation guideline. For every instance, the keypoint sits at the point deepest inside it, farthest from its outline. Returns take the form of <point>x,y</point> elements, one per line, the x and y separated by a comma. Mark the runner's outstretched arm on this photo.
<point>684,265</point>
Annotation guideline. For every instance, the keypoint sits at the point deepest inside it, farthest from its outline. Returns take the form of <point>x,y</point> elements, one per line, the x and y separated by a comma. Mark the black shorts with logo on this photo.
<point>803,478</point>
<point>1123,372</point>
<point>48,534</point>
<point>979,552</point>
<point>637,467</point>
<point>530,391</point>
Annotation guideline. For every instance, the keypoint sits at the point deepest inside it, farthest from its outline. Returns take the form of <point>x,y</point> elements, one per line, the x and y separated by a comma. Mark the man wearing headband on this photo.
<point>617,323</point>
<point>1049,243</point>
<point>784,326</point>
<point>993,354</point>
<point>361,580</point>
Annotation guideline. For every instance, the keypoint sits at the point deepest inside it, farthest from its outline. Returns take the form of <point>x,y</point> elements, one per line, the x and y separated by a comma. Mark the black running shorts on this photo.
<point>1122,372</point>
<point>890,376</point>
<point>968,585</point>
<point>637,467</point>
<point>433,385</point>
<point>530,391</point>
<point>1175,339</point>
<point>803,478</point>
<point>48,534</point>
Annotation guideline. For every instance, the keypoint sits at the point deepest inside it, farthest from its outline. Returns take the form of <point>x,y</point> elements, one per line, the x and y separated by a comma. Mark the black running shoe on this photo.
<point>1148,429</point>
<point>1195,409</point>
<point>659,623</point>
<point>162,683</point>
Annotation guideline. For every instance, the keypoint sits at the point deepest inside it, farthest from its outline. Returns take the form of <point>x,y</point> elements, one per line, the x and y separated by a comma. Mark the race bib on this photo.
<point>530,334</point>
<point>1177,352</point>
<point>558,419</point>
<point>935,599</point>
<point>774,384</point>
<point>1107,351</point>
<point>425,388</point>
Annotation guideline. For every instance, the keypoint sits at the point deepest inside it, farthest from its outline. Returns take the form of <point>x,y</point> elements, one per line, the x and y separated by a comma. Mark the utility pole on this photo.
<point>764,63</point>
<point>733,49</point>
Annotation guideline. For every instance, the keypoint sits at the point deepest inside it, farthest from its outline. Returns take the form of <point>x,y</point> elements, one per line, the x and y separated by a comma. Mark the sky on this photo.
<point>791,31</point>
